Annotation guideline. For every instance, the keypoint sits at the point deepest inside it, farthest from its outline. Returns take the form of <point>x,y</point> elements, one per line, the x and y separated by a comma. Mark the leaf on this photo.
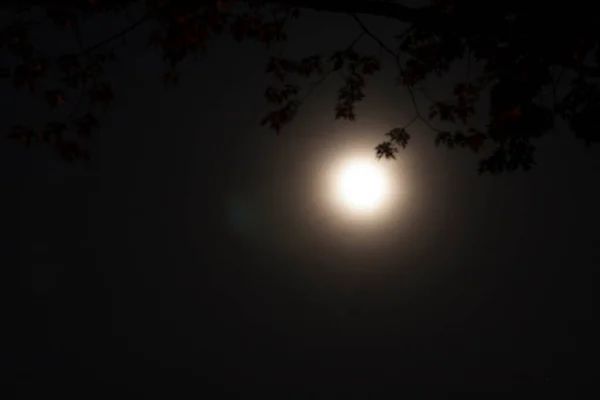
<point>62,16</point>
<point>348,95</point>
<point>338,61</point>
<point>309,66</point>
<point>223,5</point>
<point>279,96</point>
<point>55,97</point>
<point>38,68</point>
<point>443,110</point>
<point>68,63</point>
<point>351,55</point>
<point>171,77</point>
<point>281,117</point>
<point>516,154</point>
<point>385,149</point>
<point>280,67</point>
<point>513,113</point>
<point>476,141</point>
<point>85,125</point>
<point>399,136</point>
<point>156,39</point>
<point>370,65</point>
<point>444,138</point>
<point>52,130</point>
<point>101,93</point>
<point>70,150</point>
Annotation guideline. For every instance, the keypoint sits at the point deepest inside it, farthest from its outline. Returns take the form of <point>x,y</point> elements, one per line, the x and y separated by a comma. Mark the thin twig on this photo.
<point>399,65</point>
<point>409,123</point>
<point>468,73</point>
<point>283,22</point>
<point>317,83</point>
<point>426,95</point>
<point>78,36</point>
<point>79,102</point>
<point>117,35</point>
<point>360,36</point>
<point>555,89</point>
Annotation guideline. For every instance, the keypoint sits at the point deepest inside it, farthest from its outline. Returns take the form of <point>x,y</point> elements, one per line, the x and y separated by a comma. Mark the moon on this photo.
<point>361,186</point>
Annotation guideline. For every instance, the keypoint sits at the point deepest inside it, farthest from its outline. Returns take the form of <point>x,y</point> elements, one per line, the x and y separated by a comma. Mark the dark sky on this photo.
<point>194,254</point>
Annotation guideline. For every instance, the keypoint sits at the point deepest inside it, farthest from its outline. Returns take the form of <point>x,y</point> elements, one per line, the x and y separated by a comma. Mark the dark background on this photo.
<point>194,255</point>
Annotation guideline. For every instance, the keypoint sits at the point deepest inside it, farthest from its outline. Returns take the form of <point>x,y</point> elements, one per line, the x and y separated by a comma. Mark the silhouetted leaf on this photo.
<point>444,138</point>
<point>101,93</point>
<point>278,96</point>
<point>338,61</point>
<point>518,67</point>
<point>385,149</point>
<point>55,97</point>
<point>85,125</point>
<point>53,130</point>
<point>399,136</point>
<point>62,16</point>
<point>71,150</point>
<point>279,118</point>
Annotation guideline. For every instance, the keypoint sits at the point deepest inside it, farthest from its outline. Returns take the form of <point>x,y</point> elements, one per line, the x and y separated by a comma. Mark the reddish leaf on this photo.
<point>55,97</point>
<point>68,63</point>
<point>85,125</point>
<point>52,130</point>
<point>513,113</point>
<point>156,39</point>
<point>62,16</point>
<point>475,142</point>
<point>223,5</point>
<point>171,77</point>
<point>71,150</point>
<point>101,93</point>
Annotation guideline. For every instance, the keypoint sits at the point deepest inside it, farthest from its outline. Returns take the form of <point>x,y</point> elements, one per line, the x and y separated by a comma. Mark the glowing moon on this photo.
<point>362,186</point>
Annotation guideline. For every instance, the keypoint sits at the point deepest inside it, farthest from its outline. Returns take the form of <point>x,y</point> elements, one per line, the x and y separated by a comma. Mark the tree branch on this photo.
<point>117,35</point>
<point>326,75</point>
<point>376,8</point>
<point>399,65</point>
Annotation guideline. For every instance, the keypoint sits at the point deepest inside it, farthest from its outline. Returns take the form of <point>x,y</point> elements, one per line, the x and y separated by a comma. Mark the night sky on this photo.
<point>195,253</point>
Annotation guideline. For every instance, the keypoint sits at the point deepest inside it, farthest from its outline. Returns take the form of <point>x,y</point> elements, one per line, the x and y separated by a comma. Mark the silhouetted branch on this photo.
<point>116,36</point>
<point>78,36</point>
<point>399,65</point>
<point>376,8</point>
<point>326,75</point>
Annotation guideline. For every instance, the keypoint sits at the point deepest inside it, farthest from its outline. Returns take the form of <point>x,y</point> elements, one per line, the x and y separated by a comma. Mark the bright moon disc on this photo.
<point>362,186</point>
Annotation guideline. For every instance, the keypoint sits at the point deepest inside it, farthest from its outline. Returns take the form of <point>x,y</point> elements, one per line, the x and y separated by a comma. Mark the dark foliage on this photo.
<point>533,68</point>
